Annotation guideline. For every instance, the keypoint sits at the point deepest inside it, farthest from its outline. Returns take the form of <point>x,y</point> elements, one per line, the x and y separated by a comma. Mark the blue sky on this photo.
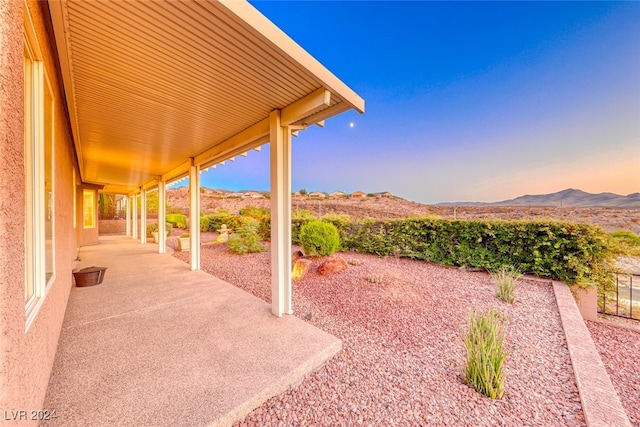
<point>466,101</point>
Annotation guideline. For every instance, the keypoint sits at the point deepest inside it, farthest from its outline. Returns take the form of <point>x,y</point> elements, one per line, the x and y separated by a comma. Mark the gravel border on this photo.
<point>402,347</point>
<point>619,349</point>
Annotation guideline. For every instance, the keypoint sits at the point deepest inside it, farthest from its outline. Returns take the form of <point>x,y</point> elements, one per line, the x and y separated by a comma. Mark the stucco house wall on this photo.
<point>26,356</point>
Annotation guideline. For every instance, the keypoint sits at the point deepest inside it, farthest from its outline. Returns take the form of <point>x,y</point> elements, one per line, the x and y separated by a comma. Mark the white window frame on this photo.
<point>34,155</point>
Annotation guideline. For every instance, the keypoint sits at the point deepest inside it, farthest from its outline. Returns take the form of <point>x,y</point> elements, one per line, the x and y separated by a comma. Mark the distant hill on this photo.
<point>566,198</point>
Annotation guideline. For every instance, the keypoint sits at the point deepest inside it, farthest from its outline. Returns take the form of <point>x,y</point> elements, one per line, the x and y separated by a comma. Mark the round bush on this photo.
<point>319,238</point>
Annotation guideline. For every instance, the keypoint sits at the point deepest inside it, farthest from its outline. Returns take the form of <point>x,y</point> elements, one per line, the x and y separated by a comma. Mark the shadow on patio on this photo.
<point>158,344</point>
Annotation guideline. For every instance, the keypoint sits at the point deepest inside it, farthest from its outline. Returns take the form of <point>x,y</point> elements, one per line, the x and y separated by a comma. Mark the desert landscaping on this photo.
<point>401,323</point>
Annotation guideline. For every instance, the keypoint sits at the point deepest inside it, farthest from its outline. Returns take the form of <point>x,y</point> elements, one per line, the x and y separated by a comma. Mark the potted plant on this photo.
<point>184,241</point>
<point>152,229</point>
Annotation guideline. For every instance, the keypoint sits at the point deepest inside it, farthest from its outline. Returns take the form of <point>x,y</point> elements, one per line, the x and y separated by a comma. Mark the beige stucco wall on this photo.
<point>26,357</point>
<point>112,226</point>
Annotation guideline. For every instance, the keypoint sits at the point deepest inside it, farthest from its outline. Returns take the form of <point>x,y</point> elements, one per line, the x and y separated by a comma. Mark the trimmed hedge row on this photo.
<point>570,252</point>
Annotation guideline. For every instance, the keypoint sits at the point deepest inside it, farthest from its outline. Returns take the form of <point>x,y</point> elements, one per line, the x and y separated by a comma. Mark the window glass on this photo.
<point>48,194</point>
<point>89,208</point>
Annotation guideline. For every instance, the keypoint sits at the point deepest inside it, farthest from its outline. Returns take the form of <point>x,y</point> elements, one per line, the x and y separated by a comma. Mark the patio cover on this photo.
<point>154,88</point>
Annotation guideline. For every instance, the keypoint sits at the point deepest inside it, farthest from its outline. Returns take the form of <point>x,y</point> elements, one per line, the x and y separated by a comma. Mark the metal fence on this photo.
<point>622,300</point>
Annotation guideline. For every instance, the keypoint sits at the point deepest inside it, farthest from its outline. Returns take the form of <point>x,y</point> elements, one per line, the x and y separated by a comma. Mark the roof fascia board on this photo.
<point>249,14</point>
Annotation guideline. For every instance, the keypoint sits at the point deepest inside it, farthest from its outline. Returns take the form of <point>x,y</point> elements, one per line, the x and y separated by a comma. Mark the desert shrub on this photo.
<point>204,223</point>
<point>624,242</point>
<point>246,239</point>
<point>506,281</point>
<point>153,227</point>
<point>485,355</point>
<point>319,238</point>
<point>177,220</point>
<point>261,216</point>
<point>223,216</point>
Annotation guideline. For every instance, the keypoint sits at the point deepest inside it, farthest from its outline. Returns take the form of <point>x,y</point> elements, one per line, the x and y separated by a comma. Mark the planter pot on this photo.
<point>184,243</point>
<point>89,276</point>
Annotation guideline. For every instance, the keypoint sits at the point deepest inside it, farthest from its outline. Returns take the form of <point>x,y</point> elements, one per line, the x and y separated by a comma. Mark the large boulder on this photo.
<point>332,266</point>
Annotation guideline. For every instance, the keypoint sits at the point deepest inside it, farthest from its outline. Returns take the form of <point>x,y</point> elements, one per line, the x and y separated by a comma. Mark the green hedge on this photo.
<point>570,252</point>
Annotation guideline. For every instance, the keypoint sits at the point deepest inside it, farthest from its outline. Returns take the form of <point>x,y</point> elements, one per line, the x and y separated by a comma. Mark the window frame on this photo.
<point>39,132</point>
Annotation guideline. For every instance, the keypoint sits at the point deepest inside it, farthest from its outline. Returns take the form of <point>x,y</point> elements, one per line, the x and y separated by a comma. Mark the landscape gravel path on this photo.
<point>402,351</point>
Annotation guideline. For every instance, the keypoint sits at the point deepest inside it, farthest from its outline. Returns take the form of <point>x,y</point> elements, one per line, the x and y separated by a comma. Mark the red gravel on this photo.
<point>619,349</point>
<point>402,351</point>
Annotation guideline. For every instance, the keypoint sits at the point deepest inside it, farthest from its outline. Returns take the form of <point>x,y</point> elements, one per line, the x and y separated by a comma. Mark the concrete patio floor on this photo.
<point>158,344</point>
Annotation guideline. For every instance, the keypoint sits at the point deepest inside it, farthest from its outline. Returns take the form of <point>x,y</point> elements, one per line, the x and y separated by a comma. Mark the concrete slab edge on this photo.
<point>293,378</point>
<point>600,402</point>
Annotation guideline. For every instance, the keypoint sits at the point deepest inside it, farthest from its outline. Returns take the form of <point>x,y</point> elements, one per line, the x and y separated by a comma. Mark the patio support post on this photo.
<point>280,166</point>
<point>135,216</point>
<point>143,216</point>
<point>128,215</point>
<point>162,221</point>
<point>194,215</point>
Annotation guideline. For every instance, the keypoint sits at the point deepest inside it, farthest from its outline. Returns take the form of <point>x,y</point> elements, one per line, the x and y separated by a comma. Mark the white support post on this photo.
<point>143,216</point>
<point>128,215</point>
<point>194,214</point>
<point>280,165</point>
<point>162,218</point>
<point>135,217</point>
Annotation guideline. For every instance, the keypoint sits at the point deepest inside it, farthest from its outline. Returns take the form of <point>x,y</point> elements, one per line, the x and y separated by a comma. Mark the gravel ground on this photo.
<point>619,348</point>
<point>402,351</point>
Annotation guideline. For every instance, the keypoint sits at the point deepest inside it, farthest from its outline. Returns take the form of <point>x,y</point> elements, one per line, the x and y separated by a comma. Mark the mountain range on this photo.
<point>565,198</point>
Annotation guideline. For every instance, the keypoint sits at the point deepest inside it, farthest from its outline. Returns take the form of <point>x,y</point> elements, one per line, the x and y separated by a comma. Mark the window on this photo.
<point>89,208</point>
<point>39,185</point>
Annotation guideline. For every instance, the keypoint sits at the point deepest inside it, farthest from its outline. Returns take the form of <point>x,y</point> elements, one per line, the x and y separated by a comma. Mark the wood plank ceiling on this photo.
<point>151,84</point>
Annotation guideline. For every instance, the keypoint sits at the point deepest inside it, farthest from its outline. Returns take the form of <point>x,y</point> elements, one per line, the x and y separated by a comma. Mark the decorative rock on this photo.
<point>300,268</point>
<point>331,266</point>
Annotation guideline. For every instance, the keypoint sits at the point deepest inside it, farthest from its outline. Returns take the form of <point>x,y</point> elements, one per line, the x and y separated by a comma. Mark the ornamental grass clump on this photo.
<point>319,238</point>
<point>246,240</point>
<point>483,341</point>
<point>506,281</point>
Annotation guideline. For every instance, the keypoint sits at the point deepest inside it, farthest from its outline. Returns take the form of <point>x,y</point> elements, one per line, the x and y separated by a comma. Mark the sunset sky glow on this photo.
<point>466,101</point>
